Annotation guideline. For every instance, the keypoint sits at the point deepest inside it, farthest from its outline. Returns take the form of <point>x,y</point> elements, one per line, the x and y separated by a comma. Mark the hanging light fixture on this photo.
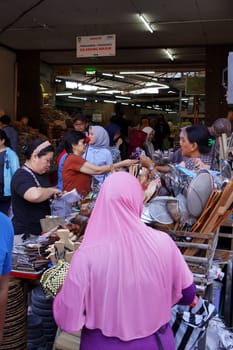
<point>169,54</point>
<point>146,23</point>
<point>138,72</point>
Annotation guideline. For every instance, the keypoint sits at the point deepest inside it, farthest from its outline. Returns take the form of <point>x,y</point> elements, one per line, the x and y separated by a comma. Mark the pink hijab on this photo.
<point>126,276</point>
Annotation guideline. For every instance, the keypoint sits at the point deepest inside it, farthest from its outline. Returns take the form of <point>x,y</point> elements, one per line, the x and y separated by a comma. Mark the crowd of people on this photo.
<point>126,276</point>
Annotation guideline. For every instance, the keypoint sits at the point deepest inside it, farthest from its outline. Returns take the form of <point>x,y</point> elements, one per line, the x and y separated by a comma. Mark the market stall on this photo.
<point>31,259</point>
<point>196,235</point>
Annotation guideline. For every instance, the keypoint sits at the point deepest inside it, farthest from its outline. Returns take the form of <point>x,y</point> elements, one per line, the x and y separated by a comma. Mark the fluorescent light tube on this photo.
<point>146,23</point>
<point>71,85</point>
<point>169,54</point>
<point>78,98</point>
<point>87,87</point>
<point>139,72</point>
<point>151,90</point>
<point>119,76</point>
<point>107,74</point>
<point>123,97</point>
<point>63,93</point>
<point>109,101</point>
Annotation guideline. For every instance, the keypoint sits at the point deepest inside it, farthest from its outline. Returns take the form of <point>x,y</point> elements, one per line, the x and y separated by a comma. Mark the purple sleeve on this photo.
<point>188,295</point>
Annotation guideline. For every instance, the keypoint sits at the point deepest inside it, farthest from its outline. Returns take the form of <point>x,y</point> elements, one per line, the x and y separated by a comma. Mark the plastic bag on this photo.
<point>62,206</point>
<point>190,323</point>
<point>218,336</point>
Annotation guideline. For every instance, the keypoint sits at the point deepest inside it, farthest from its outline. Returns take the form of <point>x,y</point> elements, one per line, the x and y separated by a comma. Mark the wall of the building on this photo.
<point>8,82</point>
<point>29,94</point>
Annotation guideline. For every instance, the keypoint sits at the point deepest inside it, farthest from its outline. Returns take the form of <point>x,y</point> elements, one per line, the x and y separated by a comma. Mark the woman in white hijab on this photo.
<point>149,147</point>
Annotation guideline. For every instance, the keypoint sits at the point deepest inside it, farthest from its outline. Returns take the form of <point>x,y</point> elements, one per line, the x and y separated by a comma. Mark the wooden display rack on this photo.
<point>200,248</point>
<point>201,261</point>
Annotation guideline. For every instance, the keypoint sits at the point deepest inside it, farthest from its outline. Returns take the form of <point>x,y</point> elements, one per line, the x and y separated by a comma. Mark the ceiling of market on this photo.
<point>184,27</point>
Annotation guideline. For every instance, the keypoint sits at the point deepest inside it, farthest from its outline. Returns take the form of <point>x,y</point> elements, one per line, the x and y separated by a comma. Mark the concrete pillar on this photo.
<point>29,97</point>
<point>216,103</point>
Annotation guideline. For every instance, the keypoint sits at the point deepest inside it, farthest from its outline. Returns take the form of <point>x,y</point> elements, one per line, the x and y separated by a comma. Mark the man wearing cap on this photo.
<point>6,244</point>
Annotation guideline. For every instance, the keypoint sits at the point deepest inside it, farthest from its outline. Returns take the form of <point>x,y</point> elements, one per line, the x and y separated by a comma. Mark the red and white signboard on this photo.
<point>96,45</point>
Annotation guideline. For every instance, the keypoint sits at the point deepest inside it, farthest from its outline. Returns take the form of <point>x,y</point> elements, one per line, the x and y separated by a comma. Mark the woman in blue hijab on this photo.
<point>98,152</point>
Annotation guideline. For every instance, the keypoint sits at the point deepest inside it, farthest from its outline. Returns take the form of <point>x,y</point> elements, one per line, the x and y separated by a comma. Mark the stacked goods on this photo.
<point>52,125</point>
<point>26,134</point>
<point>52,121</point>
<point>14,336</point>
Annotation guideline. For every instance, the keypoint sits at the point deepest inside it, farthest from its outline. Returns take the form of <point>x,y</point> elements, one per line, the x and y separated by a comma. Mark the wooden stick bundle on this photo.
<point>214,214</point>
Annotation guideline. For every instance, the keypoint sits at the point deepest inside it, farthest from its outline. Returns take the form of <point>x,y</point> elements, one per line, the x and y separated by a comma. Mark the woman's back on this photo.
<point>125,276</point>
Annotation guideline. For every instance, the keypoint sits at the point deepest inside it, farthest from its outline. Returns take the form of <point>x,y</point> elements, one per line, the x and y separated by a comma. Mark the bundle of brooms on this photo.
<point>216,211</point>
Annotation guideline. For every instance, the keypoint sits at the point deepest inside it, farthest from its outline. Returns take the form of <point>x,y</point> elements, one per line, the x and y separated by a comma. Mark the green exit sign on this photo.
<point>90,71</point>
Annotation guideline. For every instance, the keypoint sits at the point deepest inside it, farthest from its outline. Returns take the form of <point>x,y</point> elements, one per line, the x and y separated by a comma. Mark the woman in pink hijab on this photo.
<point>124,278</point>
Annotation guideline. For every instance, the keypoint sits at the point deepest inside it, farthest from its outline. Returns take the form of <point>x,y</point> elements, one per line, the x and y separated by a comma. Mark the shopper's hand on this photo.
<point>146,161</point>
<point>57,193</point>
<point>129,162</point>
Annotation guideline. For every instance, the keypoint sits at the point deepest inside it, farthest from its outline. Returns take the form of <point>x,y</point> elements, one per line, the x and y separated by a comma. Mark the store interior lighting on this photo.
<point>107,74</point>
<point>149,90</point>
<point>169,54</point>
<point>138,72</point>
<point>113,75</point>
<point>124,97</point>
<point>63,93</point>
<point>110,92</point>
<point>157,85</point>
<point>119,76</point>
<point>71,85</point>
<point>146,23</point>
<point>77,98</point>
<point>109,101</point>
<point>87,87</point>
